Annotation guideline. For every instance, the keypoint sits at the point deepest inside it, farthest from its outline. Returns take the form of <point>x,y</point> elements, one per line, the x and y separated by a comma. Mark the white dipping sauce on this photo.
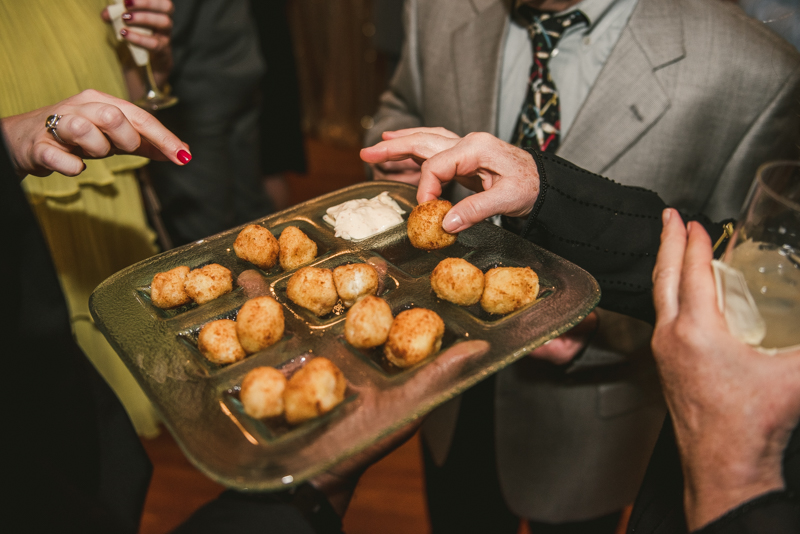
<point>362,218</point>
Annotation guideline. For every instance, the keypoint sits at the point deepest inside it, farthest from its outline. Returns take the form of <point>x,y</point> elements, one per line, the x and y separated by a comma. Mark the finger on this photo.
<point>464,159</point>
<point>110,120</point>
<point>76,130</point>
<point>161,6</point>
<point>697,294</point>
<point>147,19</point>
<point>410,178</point>
<point>55,157</point>
<point>419,145</point>
<point>399,166</point>
<point>444,368</point>
<point>470,211</point>
<point>409,131</point>
<point>558,351</point>
<point>667,272</point>
<point>444,166</point>
<point>159,138</point>
<point>154,42</point>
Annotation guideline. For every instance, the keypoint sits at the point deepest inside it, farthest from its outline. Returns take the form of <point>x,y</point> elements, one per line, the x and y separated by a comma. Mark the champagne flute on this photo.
<point>765,248</point>
<point>154,99</point>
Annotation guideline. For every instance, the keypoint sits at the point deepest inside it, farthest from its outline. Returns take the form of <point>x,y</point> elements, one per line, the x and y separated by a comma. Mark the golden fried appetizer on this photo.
<point>207,283</point>
<point>509,288</point>
<point>259,323</point>
<point>415,334</point>
<point>262,392</point>
<point>355,281</point>
<point>296,248</point>
<point>219,343</point>
<point>425,225</point>
<point>313,390</point>
<point>313,289</point>
<point>167,290</point>
<point>257,245</point>
<point>458,281</point>
<point>368,322</point>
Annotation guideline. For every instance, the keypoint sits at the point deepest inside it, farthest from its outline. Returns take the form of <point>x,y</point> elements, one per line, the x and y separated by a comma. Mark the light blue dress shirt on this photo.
<point>574,65</point>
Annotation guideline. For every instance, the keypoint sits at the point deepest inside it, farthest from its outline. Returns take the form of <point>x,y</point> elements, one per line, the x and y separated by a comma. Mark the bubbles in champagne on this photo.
<point>773,278</point>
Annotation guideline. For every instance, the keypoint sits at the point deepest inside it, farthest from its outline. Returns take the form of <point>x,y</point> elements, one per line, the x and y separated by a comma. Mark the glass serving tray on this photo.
<point>198,400</point>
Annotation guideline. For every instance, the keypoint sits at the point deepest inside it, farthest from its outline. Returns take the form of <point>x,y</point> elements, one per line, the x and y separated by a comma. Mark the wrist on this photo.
<point>712,491</point>
<point>8,126</point>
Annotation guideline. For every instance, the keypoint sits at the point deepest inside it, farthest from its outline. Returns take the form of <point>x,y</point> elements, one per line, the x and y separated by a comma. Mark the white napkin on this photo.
<point>140,55</point>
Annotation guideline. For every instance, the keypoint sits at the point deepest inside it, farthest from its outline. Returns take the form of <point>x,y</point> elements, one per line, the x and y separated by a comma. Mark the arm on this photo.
<point>92,125</point>
<point>733,408</point>
<point>609,229</point>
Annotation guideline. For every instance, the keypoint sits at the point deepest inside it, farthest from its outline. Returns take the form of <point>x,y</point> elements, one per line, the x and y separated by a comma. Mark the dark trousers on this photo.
<point>464,494</point>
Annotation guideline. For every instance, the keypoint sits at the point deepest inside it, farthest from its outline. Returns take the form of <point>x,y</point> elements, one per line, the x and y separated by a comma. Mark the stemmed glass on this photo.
<point>765,248</point>
<point>154,99</point>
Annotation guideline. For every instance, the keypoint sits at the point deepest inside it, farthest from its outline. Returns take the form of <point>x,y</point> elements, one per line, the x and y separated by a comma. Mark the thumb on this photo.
<point>469,212</point>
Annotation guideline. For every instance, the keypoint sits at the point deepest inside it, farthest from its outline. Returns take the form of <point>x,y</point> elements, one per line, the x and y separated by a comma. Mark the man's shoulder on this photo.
<point>723,30</point>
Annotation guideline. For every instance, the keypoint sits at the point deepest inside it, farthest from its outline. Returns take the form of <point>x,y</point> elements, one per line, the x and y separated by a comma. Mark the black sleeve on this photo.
<point>611,230</point>
<point>72,458</point>
<point>773,513</point>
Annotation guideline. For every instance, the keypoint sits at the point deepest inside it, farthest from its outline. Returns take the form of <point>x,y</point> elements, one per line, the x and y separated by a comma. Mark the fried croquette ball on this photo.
<point>509,288</point>
<point>355,281</point>
<point>296,248</point>
<point>458,281</point>
<point>259,324</point>
<point>167,290</point>
<point>368,322</point>
<point>425,225</point>
<point>257,245</point>
<point>262,392</point>
<point>208,283</point>
<point>313,289</point>
<point>415,334</point>
<point>219,343</point>
<point>313,390</point>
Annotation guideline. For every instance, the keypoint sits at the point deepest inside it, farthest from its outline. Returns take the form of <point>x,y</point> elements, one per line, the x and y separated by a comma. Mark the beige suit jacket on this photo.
<point>694,97</point>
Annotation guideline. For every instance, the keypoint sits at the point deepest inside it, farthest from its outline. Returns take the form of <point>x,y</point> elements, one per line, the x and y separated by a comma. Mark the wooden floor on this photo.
<point>390,496</point>
<point>389,499</point>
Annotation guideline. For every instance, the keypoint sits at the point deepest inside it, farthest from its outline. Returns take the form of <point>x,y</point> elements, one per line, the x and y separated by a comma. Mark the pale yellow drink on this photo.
<point>773,278</point>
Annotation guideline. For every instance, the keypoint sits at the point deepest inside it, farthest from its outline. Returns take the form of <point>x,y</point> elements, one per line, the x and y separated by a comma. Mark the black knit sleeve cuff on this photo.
<point>776,512</point>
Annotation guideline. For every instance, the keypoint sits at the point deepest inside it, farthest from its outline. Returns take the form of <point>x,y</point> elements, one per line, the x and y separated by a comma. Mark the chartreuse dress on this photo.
<point>95,223</point>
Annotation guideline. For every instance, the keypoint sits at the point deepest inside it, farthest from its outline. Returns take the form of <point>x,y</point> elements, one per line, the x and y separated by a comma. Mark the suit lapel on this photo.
<point>627,98</point>
<point>476,56</point>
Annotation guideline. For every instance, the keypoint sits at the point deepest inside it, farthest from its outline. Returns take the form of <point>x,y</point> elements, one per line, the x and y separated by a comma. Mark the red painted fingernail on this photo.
<point>184,157</point>
<point>123,32</point>
<point>127,16</point>
<point>128,3</point>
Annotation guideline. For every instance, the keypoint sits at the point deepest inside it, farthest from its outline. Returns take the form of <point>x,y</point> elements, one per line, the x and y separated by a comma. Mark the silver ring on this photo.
<point>50,124</point>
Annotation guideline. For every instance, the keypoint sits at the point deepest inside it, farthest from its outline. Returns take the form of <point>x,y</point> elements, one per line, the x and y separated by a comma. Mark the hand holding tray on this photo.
<point>198,400</point>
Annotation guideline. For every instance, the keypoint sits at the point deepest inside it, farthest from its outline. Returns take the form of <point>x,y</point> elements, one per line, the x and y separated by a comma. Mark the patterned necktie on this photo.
<point>539,122</point>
